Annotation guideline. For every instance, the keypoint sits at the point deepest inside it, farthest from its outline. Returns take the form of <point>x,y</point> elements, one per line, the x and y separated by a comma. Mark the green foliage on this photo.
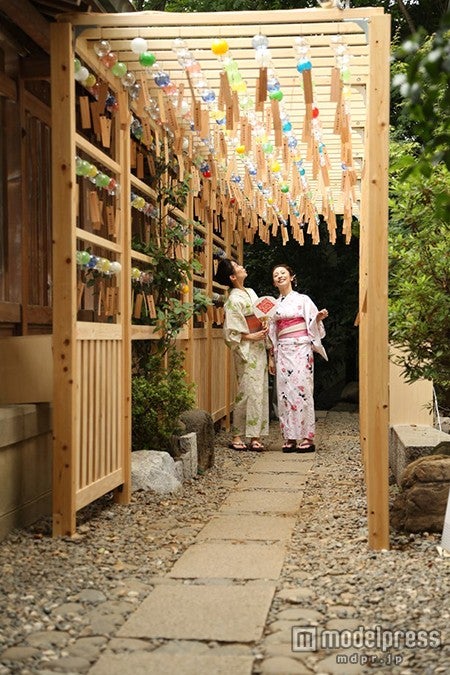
<point>421,89</point>
<point>406,15</point>
<point>419,208</point>
<point>420,273</point>
<point>159,395</point>
<point>220,5</point>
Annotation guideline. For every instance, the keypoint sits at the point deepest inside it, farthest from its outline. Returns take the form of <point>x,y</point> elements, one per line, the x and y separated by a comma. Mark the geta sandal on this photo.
<point>237,446</point>
<point>306,446</point>
<point>289,447</point>
<point>256,446</point>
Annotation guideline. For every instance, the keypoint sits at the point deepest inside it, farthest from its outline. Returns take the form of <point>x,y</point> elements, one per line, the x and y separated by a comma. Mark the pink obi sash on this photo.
<point>294,327</point>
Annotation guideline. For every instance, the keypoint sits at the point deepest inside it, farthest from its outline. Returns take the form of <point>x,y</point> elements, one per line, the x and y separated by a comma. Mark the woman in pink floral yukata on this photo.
<point>295,331</point>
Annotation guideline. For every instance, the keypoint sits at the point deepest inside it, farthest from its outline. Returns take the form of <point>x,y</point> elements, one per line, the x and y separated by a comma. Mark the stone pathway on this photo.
<point>232,575</point>
<point>221,588</point>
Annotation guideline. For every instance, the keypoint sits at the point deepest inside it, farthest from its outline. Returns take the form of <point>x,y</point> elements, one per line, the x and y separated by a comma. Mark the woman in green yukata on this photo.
<point>245,335</point>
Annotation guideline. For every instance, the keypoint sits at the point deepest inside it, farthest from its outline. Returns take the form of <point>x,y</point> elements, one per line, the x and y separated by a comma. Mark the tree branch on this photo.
<point>406,14</point>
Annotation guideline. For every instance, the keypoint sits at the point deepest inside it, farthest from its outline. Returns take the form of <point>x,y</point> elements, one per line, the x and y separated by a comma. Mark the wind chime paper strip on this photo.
<point>307,87</point>
<point>262,82</point>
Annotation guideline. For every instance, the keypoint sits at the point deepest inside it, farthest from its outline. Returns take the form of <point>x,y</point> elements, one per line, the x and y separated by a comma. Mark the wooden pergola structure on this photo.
<point>205,89</point>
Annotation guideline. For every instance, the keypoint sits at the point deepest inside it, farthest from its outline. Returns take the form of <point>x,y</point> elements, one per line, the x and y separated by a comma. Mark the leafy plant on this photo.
<point>419,207</point>
<point>160,393</point>
<point>421,89</point>
<point>420,275</point>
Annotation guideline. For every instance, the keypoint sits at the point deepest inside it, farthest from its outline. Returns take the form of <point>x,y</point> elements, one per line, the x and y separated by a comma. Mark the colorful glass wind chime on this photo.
<point>267,179</point>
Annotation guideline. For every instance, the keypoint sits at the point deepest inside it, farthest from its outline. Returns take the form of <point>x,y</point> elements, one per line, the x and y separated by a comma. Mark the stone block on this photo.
<point>409,442</point>
<point>188,447</point>
<point>201,422</point>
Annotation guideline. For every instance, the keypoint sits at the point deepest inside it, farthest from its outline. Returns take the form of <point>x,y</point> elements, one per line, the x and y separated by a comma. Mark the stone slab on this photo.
<point>278,456</point>
<point>298,465</point>
<point>228,560</point>
<point>153,663</point>
<point>254,501</point>
<point>248,527</point>
<point>272,481</point>
<point>202,612</point>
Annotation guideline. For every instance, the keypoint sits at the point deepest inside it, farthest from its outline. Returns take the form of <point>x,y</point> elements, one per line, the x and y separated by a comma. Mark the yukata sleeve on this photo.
<point>273,334</point>
<point>234,325</point>
<point>316,329</point>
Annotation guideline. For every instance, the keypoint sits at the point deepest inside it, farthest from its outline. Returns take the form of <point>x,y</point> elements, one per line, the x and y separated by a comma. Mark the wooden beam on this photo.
<point>179,19</point>
<point>37,108</point>
<point>33,68</point>
<point>9,312</point>
<point>29,20</point>
<point>25,204</point>
<point>374,366</point>
<point>8,87</point>
<point>122,494</point>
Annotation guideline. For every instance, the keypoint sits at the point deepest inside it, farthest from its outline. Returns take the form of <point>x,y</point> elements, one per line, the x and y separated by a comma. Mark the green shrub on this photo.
<point>160,393</point>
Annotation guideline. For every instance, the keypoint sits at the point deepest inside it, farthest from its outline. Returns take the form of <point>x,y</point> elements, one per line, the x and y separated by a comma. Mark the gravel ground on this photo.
<point>62,599</point>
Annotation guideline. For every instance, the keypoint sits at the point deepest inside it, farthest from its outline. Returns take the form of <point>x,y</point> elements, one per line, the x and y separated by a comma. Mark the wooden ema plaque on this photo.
<point>85,112</point>
<point>105,131</point>
<point>95,210</point>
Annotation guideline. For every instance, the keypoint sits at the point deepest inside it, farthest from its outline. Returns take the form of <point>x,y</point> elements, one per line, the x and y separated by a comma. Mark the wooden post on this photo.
<point>122,494</point>
<point>64,278</point>
<point>188,344</point>
<point>373,350</point>
<point>25,215</point>
<point>209,329</point>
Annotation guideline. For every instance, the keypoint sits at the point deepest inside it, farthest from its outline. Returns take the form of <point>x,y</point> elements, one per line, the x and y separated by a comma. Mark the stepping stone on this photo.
<point>198,612</point>
<point>254,501</point>
<point>152,663</point>
<point>281,457</point>
<point>298,466</point>
<point>272,481</point>
<point>227,560</point>
<point>248,527</point>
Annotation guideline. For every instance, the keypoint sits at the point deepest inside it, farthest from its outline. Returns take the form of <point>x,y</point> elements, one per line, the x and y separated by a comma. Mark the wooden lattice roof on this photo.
<point>327,162</point>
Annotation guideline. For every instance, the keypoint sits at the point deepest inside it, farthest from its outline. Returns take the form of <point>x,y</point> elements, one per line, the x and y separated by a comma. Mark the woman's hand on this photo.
<point>256,337</point>
<point>271,365</point>
<point>322,315</point>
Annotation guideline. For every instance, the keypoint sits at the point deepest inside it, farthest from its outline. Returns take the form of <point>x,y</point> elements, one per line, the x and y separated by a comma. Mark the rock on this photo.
<point>443,448</point>
<point>19,653</point>
<point>153,470</point>
<point>445,425</point>
<point>421,505</point>
<point>431,469</point>
<point>189,458</point>
<point>409,442</point>
<point>350,392</point>
<point>202,424</point>
<point>283,665</point>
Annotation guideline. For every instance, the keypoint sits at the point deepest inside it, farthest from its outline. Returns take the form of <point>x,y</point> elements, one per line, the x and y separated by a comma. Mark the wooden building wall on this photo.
<point>25,207</point>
